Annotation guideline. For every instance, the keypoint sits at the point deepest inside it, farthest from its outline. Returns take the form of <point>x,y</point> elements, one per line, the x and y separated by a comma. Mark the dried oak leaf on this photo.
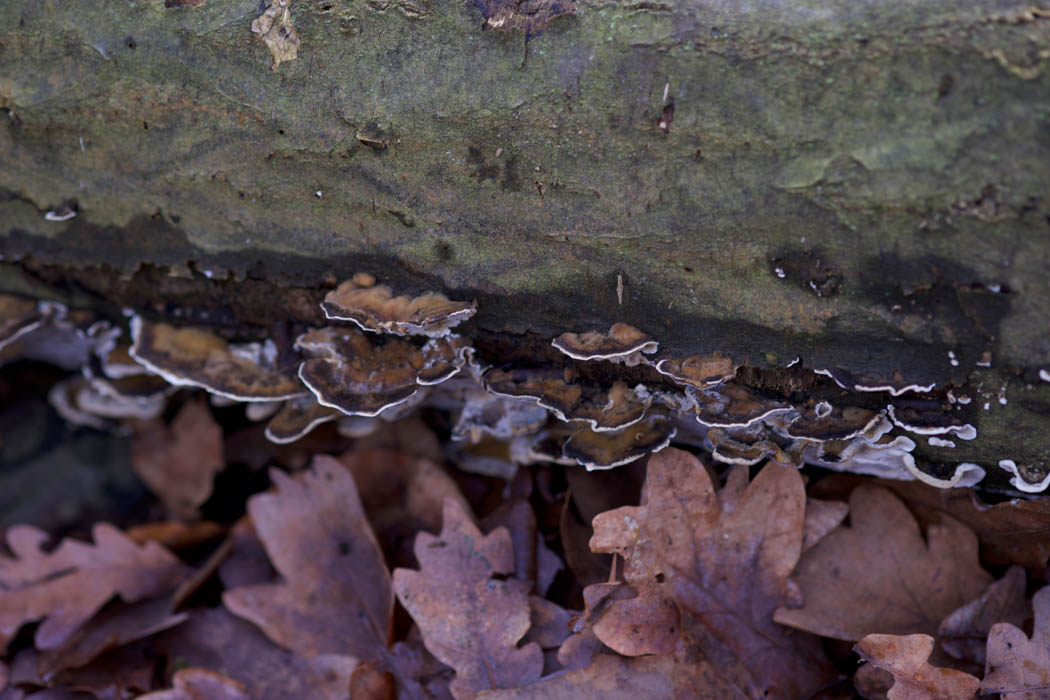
<point>200,684</point>
<point>470,619</point>
<point>114,627</point>
<point>963,633</point>
<point>1018,530</point>
<point>1018,668</point>
<point>66,587</point>
<point>335,596</point>
<point>726,570</point>
<point>684,674</point>
<point>179,462</point>
<point>879,576</point>
<point>215,639</point>
<point>907,658</point>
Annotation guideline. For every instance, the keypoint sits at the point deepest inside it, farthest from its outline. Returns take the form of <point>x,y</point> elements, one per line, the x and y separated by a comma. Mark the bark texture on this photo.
<point>861,185</point>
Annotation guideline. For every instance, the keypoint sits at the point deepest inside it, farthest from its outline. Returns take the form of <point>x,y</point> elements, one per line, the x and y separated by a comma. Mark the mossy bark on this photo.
<point>862,185</point>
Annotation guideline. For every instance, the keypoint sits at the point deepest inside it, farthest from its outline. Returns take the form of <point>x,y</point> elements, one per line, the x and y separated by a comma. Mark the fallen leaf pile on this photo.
<point>380,573</point>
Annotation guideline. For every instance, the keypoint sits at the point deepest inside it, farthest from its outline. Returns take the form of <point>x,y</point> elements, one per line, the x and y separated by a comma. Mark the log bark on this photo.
<point>859,185</point>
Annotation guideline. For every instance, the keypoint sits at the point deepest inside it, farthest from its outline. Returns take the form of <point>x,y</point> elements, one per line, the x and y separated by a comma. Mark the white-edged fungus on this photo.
<point>18,316</point>
<point>297,417</point>
<point>498,416</point>
<point>929,420</point>
<point>734,406</point>
<point>699,371</point>
<point>935,441</point>
<point>834,423</point>
<point>193,357</point>
<point>605,450</point>
<point>1044,374</point>
<point>622,343</point>
<point>375,308</point>
<point>348,370</point>
<point>1035,481</point>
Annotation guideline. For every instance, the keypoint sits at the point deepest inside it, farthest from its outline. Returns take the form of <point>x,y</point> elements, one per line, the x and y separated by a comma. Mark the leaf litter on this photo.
<point>380,572</point>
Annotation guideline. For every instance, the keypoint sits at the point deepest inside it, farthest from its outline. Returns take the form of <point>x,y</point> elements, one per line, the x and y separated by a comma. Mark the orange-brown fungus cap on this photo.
<point>192,357</point>
<point>833,423</point>
<point>551,388</point>
<point>616,408</point>
<point>375,308</point>
<point>17,317</point>
<point>733,405</point>
<point>605,450</point>
<point>699,372</point>
<point>350,372</point>
<point>621,341</point>
<point>296,418</point>
<point>729,449</point>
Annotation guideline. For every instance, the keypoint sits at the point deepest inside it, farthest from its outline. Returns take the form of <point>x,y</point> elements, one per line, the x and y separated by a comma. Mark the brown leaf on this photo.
<point>66,587</point>
<point>336,596</point>
<point>247,563</point>
<point>178,463</point>
<point>176,535</point>
<point>644,621</point>
<point>907,658</point>
<point>821,518</point>
<point>402,494</point>
<point>1018,667</point>
<point>1018,529</point>
<point>200,684</point>
<point>728,571</point>
<point>470,619</point>
<point>684,674</point>
<point>963,633</point>
<point>880,576</point>
<point>114,627</point>
<point>215,639</point>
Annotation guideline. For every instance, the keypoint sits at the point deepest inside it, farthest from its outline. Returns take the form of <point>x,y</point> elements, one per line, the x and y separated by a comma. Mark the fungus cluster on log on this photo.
<point>596,398</point>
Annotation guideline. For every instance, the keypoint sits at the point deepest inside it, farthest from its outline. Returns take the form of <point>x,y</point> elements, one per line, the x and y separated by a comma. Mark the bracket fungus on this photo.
<point>375,308</point>
<point>699,372</point>
<point>834,423</point>
<point>928,418</point>
<point>605,450</point>
<point>729,448</point>
<point>18,316</point>
<point>1026,478</point>
<point>192,357</point>
<point>498,416</point>
<point>734,406</point>
<point>297,417</point>
<point>363,376</point>
<point>622,343</point>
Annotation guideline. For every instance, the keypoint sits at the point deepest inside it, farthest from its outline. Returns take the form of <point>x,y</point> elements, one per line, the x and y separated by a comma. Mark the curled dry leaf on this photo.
<point>470,619</point>
<point>336,596</point>
<point>1018,530</point>
<point>727,571</point>
<point>67,586</point>
<point>1018,668</point>
<point>907,658</point>
<point>684,674</point>
<point>215,639</point>
<point>200,683</point>
<point>179,462</point>
<point>114,627</point>
<point>963,633</point>
<point>879,576</point>
<point>402,494</point>
<point>633,621</point>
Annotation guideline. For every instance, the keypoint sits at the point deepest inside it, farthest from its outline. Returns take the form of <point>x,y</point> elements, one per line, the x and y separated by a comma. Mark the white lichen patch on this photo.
<point>275,29</point>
